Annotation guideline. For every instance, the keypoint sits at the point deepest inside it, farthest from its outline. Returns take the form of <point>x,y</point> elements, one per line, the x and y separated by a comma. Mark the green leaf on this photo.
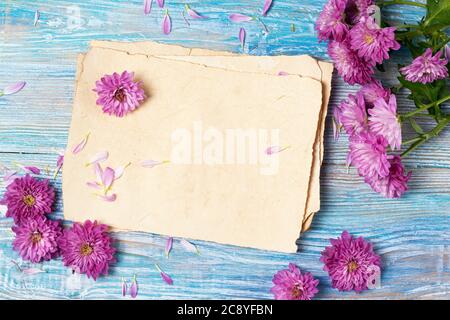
<point>438,12</point>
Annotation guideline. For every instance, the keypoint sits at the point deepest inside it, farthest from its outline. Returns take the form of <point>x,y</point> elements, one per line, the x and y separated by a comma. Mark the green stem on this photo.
<point>408,3</point>
<point>424,107</point>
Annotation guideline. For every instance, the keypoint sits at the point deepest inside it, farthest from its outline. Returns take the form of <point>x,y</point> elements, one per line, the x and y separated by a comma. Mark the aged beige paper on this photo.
<point>231,204</point>
<point>301,65</point>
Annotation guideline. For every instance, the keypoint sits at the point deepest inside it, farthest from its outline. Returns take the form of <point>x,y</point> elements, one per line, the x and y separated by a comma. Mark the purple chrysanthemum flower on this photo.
<point>331,25</point>
<point>426,68</point>
<point>349,66</point>
<point>292,284</point>
<point>394,184</point>
<point>36,239</point>
<point>351,114</point>
<point>119,94</point>
<point>368,154</point>
<point>373,91</point>
<point>28,197</point>
<point>371,42</point>
<point>87,248</point>
<point>349,262</point>
<point>383,120</point>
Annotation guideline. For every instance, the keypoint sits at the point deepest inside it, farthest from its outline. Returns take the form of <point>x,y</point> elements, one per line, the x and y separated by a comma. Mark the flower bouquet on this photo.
<point>359,42</point>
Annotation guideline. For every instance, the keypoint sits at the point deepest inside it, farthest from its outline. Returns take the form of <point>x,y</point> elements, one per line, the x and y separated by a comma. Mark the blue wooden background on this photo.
<point>411,234</point>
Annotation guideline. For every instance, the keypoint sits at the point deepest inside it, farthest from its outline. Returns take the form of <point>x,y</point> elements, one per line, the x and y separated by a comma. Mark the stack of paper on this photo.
<point>240,139</point>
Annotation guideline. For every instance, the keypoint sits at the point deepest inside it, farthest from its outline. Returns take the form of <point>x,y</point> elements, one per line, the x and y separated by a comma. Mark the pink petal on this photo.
<point>120,171</point>
<point>167,279</point>
<point>189,246</point>
<point>59,164</point>
<point>99,157</point>
<point>108,178</point>
<point>32,271</point>
<point>14,88</point>
<point>193,14</point>
<point>94,185</point>
<point>167,24</point>
<point>275,149</point>
<point>160,3</point>
<point>237,17</point>
<point>33,170</point>
<point>98,171</point>
<point>79,147</point>
<point>124,287</point>
<point>134,288</point>
<point>282,73</point>
<point>110,198</point>
<point>242,35</point>
<point>37,14</point>
<point>148,6</point>
<point>168,246</point>
<point>266,8</point>
<point>9,176</point>
<point>152,163</point>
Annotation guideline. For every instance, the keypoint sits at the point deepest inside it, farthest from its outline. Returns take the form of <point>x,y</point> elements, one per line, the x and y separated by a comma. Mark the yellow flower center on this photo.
<point>368,39</point>
<point>29,200</point>
<point>86,249</point>
<point>352,266</point>
<point>296,292</point>
<point>35,237</point>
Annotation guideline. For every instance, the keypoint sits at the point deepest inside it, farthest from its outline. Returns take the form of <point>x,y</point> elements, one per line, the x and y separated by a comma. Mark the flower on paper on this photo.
<point>331,23</point>
<point>349,262</point>
<point>292,284</point>
<point>119,94</point>
<point>350,67</point>
<point>395,183</point>
<point>105,179</point>
<point>383,121</point>
<point>28,197</point>
<point>80,146</point>
<point>351,114</point>
<point>87,248</point>
<point>368,154</point>
<point>373,91</point>
<point>426,68</point>
<point>371,42</point>
<point>36,239</point>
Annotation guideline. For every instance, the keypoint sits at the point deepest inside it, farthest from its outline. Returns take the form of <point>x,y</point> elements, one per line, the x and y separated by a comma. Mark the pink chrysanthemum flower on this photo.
<point>87,248</point>
<point>330,24</point>
<point>371,42</point>
<point>349,66</point>
<point>119,94</point>
<point>368,154</point>
<point>351,114</point>
<point>426,68</point>
<point>292,284</point>
<point>27,197</point>
<point>373,91</point>
<point>394,184</point>
<point>383,120</point>
<point>349,262</point>
<point>356,10</point>
<point>36,239</point>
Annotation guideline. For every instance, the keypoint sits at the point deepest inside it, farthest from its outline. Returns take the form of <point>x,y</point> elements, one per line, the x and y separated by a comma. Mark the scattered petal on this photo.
<point>59,164</point>
<point>99,157</point>
<point>275,149</point>
<point>193,14</point>
<point>242,35</point>
<point>134,288</point>
<point>237,17</point>
<point>167,279</point>
<point>267,6</point>
<point>37,14</point>
<point>14,88</point>
<point>160,3</point>
<point>32,271</point>
<point>33,170</point>
<point>79,147</point>
<point>94,185</point>
<point>110,198</point>
<point>98,171</point>
<point>9,176</point>
<point>168,246</point>
<point>148,6</point>
<point>167,23</point>
<point>124,287</point>
<point>153,163</point>
<point>282,73</point>
<point>189,246</point>
<point>108,178</point>
<point>120,171</point>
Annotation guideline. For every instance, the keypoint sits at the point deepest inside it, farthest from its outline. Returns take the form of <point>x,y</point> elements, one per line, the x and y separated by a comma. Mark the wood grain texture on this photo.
<point>411,234</point>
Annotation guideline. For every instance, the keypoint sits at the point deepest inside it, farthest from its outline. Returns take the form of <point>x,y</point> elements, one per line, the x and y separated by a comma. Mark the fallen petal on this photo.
<point>99,157</point>
<point>266,8</point>
<point>237,17</point>
<point>94,185</point>
<point>168,246</point>
<point>148,6</point>
<point>189,246</point>
<point>152,163</point>
<point>124,287</point>
<point>110,198</point>
<point>9,176</point>
<point>108,178</point>
<point>14,88</point>
<point>282,73</point>
<point>134,288</point>
<point>37,14</point>
<point>98,171</point>
<point>167,279</point>
<point>160,3</point>
<point>242,35</point>
<point>275,149</point>
<point>167,24</point>
<point>120,171</point>
<point>59,164</point>
<point>32,271</point>
<point>33,170</point>
<point>79,147</point>
<point>193,14</point>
